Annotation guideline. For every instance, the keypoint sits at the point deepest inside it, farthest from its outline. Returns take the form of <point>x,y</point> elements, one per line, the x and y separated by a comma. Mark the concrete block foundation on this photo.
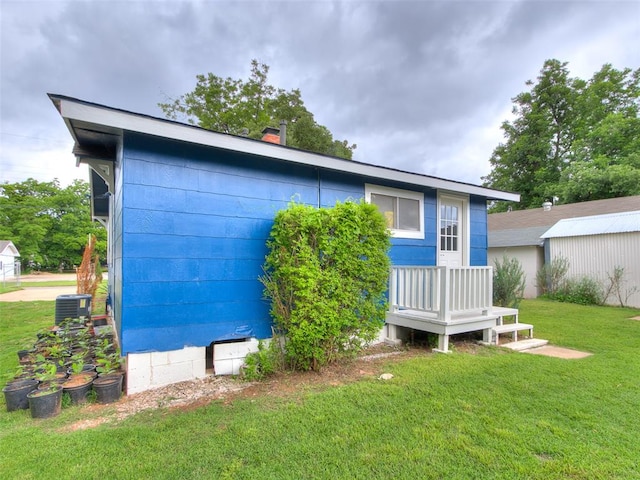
<point>149,370</point>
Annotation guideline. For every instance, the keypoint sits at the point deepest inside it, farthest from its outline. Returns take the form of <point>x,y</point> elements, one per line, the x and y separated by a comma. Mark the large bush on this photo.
<point>326,276</point>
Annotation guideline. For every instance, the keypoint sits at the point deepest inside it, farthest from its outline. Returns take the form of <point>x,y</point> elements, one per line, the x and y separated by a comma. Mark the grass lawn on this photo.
<point>8,288</point>
<point>50,283</point>
<point>490,414</point>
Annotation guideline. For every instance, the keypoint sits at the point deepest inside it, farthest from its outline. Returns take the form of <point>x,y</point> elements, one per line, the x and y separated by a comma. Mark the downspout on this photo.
<point>319,186</point>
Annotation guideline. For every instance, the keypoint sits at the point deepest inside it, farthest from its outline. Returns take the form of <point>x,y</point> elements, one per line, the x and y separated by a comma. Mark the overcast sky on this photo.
<point>421,86</point>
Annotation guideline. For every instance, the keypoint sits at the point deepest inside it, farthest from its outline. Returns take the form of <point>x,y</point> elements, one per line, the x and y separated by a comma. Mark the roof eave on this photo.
<point>74,109</point>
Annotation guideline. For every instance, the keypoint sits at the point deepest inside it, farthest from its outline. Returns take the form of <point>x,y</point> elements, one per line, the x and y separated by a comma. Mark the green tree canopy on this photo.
<point>49,225</point>
<point>246,107</point>
<point>572,139</point>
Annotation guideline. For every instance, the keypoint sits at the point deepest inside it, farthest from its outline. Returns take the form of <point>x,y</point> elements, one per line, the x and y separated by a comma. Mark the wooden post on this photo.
<point>445,285</point>
<point>393,293</point>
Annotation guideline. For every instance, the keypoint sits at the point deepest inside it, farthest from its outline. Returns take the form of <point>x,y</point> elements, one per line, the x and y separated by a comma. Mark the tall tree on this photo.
<point>572,139</point>
<point>48,224</point>
<point>248,106</point>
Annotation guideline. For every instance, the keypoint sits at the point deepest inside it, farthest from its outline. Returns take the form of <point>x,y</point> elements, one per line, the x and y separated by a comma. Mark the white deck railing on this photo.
<point>441,291</point>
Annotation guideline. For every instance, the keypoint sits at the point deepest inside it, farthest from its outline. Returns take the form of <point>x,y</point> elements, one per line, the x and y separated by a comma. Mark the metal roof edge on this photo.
<point>557,230</point>
<point>74,109</point>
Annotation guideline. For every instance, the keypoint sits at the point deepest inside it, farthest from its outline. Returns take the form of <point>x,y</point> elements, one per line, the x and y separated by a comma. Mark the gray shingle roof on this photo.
<point>526,227</point>
<point>537,217</point>
<point>516,237</point>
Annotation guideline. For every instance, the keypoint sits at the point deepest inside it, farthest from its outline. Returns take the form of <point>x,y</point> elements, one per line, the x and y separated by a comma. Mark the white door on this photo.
<point>451,238</point>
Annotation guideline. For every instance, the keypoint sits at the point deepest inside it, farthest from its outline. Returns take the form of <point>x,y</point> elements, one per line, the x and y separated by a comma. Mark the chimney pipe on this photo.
<point>283,132</point>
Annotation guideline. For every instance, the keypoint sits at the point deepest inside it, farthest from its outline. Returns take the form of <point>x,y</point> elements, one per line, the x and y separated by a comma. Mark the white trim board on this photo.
<point>72,109</point>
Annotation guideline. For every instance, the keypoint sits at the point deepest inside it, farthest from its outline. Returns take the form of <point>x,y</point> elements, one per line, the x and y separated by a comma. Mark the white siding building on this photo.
<point>8,256</point>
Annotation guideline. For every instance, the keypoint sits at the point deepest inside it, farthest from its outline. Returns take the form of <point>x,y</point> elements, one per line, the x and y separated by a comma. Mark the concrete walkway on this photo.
<point>30,294</point>
<point>558,352</point>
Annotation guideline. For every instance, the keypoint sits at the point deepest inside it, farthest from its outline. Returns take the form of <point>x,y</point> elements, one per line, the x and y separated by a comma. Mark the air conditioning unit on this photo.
<point>76,306</point>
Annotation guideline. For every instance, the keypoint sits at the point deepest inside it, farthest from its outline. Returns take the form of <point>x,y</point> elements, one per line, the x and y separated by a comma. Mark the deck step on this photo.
<point>527,344</point>
<point>512,327</point>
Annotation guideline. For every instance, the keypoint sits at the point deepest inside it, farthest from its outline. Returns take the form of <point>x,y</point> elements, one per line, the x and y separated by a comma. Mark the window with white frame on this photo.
<point>402,209</point>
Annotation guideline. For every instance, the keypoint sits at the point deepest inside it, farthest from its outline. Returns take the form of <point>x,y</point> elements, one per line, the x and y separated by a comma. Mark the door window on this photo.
<point>449,228</point>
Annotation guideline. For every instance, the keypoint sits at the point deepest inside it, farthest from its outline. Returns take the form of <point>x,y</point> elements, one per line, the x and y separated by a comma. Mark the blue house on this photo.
<point>188,212</point>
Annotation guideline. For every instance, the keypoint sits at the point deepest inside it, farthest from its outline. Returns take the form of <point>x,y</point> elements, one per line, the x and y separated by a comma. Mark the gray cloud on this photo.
<point>420,86</point>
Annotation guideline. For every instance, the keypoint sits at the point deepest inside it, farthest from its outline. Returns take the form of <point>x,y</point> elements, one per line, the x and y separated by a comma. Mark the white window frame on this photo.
<point>396,192</point>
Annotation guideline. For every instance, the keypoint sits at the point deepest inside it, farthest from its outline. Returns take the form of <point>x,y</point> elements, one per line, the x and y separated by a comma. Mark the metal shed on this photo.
<point>595,245</point>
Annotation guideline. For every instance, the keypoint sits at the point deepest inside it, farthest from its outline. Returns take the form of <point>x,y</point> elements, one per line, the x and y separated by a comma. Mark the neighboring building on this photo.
<point>596,245</point>
<point>188,213</point>
<point>519,233</point>
<point>9,260</point>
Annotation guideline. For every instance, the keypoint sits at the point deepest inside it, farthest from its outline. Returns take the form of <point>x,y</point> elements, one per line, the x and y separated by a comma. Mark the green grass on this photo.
<point>8,288</point>
<point>493,415</point>
<point>50,283</point>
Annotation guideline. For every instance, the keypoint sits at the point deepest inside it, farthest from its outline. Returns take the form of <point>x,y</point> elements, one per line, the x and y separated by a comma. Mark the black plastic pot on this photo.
<point>23,354</point>
<point>78,394</point>
<point>108,388</point>
<point>99,322</point>
<point>45,403</point>
<point>15,394</point>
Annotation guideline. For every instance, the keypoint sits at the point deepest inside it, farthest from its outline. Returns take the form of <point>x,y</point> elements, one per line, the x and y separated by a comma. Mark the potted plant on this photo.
<point>79,365</point>
<point>47,374</point>
<point>24,355</point>
<point>108,364</point>
<point>24,372</point>
<point>45,402</point>
<point>78,385</point>
<point>108,385</point>
<point>15,393</point>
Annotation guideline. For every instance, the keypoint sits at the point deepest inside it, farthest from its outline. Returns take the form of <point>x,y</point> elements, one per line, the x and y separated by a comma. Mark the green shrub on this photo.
<point>552,275</point>
<point>583,291</point>
<point>326,276</point>
<point>617,287</point>
<point>508,282</point>
<point>263,363</point>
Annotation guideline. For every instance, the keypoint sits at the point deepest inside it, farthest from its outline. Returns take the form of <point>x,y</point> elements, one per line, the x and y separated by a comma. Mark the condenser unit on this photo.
<point>75,306</point>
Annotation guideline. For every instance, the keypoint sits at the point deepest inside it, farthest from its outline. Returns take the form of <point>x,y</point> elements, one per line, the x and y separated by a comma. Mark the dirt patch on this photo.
<point>635,318</point>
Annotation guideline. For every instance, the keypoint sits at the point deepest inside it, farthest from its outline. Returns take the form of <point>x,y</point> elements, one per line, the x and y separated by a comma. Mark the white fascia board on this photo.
<point>77,110</point>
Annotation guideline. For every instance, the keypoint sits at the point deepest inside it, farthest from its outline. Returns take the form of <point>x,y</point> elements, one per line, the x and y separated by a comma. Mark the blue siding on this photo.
<point>478,227</point>
<point>190,228</point>
<point>195,225</point>
<point>335,187</point>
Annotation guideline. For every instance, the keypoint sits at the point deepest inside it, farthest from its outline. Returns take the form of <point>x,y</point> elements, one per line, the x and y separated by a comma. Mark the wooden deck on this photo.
<point>458,323</point>
<point>447,301</point>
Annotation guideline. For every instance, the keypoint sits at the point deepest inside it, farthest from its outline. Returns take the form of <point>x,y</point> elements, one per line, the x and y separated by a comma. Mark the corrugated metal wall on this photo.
<point>598,255</point>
